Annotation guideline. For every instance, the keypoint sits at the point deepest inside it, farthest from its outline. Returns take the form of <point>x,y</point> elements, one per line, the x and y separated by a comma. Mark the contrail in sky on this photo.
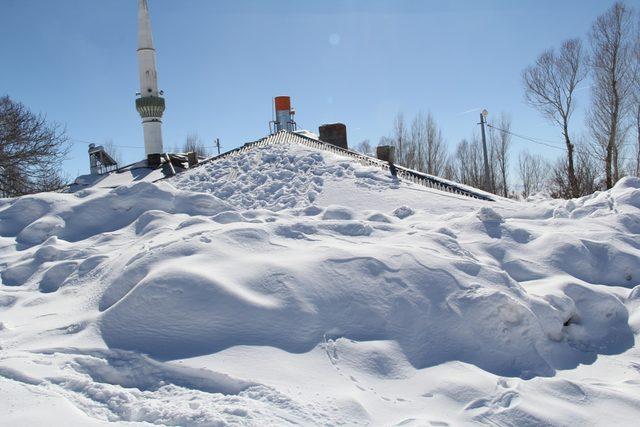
<point>468,111</point>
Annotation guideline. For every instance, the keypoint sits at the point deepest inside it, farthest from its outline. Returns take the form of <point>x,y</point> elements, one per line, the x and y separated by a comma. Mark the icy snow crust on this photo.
<point>291,286</point>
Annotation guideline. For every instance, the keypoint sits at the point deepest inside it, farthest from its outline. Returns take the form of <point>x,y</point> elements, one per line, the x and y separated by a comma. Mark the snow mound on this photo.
<point>205,299</point>
<point>73,217</point>
<point>292,299</point>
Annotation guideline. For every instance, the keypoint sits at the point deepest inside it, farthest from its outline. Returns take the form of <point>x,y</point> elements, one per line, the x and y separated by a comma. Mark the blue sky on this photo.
<point>221,62</point>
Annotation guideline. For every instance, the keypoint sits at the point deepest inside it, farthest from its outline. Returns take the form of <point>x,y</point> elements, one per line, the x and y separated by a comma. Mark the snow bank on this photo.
<point>73,217</point>
<point>262,255</point>
<point>293,285</point>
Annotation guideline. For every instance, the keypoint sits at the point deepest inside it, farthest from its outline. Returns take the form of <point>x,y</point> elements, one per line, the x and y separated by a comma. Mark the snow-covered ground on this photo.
<point>287,285</point>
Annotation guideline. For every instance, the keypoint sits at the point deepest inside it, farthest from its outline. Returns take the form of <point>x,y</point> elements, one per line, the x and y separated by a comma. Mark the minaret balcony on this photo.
<point>150,106</point>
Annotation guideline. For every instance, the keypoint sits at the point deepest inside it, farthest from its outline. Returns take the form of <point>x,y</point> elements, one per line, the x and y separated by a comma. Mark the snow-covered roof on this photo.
<point>287,170</point>
<point>307,139</point>
<point>139,172</point>
<point>132,173</point>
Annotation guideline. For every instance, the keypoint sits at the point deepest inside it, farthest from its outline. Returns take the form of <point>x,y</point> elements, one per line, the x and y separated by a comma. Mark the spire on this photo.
<point>145,38</point>
<point>146,52</point>
<point>150,104</point>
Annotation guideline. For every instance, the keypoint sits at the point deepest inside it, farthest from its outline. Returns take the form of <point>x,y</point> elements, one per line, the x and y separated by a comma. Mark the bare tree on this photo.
<point>533,170</point>
<point>49,177</point>
<point>587,171</point>
<point>492,152</point>
<point>449,170</point>
<point>400,139</point>
<point>500,137</point>
<point>193,143</point>
<point>611,39</point>
<point>550,85</point>
<point>635,165</point>
<point>635,162</point>
<point>436,154</point>
<point>365,148</point>
<point>424,149</point>
<point>558,185</point>
<point>467,164</point>
<point>587,174</point>
<point>31,150</point>
<point>460,162</point>
<point>415,157</point>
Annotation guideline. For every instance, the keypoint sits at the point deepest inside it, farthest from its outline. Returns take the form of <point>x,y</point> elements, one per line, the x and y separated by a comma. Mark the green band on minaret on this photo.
<point>150,106</point>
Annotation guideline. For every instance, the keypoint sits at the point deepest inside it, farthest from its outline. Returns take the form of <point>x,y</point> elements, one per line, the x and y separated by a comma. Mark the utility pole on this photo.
<point>217,144</point>
<point>487,178</point>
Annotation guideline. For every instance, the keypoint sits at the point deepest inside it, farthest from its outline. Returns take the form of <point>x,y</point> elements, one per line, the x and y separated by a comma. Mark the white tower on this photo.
<point>150,104</point>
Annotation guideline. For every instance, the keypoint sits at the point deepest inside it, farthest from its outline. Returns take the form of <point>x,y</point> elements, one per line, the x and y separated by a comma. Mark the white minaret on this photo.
<point>150,104</point>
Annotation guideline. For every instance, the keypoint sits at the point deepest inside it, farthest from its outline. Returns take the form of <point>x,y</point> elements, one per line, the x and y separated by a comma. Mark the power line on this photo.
<point>115,145</point>
<point>540,142</point>
<point>530,138</point>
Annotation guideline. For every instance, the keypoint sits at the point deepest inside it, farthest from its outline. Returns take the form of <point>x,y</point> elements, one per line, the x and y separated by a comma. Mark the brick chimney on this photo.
<point>386,153</point>
<point>334,134</point>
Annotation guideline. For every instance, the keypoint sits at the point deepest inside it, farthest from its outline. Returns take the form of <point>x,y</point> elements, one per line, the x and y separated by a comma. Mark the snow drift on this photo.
<point>296,250</point>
